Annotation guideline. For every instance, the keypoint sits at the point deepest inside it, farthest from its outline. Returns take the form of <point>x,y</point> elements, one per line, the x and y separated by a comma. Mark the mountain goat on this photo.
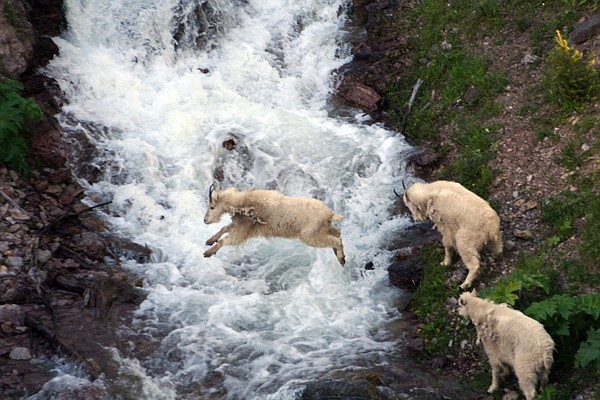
<point>466,222</point>
<point>510,339</point>
<point>268,213</point>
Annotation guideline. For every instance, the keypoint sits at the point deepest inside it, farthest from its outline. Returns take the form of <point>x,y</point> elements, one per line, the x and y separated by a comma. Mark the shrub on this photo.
<point>574,323</point>
<point>15,112</point>
<point>571,78</point>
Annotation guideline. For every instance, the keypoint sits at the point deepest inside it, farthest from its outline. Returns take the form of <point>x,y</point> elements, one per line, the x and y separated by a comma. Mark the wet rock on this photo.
<point>340,389</point>
<point>405,270</point>
<point>229,144</point>
<point>424,161</point>
<point>361,95</point>
<point>127,249</point>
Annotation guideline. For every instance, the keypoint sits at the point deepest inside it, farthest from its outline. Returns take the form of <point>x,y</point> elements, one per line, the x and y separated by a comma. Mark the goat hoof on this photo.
<point>207,254</point>
<point>209,242</point>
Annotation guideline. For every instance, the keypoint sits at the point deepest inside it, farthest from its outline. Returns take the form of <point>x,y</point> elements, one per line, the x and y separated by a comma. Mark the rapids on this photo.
<point>157,86</point>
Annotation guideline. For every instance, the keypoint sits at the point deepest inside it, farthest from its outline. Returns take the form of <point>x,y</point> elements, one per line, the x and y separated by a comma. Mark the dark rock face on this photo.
<point>62,290</point>
<point>405,271</point>
<point>16,39</point>
<point>586,29</point>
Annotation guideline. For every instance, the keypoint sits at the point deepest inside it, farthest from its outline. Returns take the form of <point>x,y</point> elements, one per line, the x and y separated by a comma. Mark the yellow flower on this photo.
<point>562,43</point>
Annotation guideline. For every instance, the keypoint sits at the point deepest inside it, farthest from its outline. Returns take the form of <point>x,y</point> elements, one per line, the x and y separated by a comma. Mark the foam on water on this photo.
<point>261,318</point>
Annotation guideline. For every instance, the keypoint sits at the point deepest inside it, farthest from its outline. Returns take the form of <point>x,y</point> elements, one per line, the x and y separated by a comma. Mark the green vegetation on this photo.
<point>574,323</point>
<point>426,304</point>
<point>10,13</point>
<point>571,79</point>
<point>456,111</point>
<point>15,113</point>
<point>562,214</point>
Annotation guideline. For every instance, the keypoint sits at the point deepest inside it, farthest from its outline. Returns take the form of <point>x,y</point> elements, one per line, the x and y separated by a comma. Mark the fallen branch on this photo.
<point>35,242</point>
<point>69,215</point>
<point>411,101</point>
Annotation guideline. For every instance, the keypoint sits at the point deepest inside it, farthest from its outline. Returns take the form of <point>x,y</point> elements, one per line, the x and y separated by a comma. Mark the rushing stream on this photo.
<point>157,86</point>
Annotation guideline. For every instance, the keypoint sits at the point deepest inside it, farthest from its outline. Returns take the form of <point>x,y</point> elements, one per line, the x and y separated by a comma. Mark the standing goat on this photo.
<point>268,213</point>
<point>510,339</point>
<point>466,221</point>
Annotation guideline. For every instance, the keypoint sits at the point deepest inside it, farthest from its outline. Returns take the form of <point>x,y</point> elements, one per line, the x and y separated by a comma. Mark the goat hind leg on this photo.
<point>326,240</point>
<point>470,257</point>
<point>527,380</point>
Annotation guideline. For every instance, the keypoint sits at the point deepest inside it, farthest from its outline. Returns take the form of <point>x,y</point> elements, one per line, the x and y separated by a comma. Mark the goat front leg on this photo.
<point>213,239</point>
<point>448,250</point>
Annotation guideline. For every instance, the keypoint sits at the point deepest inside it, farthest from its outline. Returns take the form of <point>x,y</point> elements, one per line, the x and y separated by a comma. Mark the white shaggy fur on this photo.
<point>510,339</point>
<point>268,213</point>
<point>466,221</point>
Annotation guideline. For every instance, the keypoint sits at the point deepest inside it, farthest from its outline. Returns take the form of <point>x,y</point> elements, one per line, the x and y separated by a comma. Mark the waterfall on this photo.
<point>157,87</point>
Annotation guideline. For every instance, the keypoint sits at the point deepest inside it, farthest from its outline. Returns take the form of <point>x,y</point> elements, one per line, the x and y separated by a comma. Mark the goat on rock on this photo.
<point>466,222</point>
<point>268,213</point>
<point>510,339</point>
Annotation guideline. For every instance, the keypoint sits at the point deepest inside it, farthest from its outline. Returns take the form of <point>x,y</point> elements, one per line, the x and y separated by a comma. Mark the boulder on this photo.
<point>586,30</point>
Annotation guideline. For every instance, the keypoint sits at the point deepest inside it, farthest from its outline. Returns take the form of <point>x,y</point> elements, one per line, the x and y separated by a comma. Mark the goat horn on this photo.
<point>396,193</point>
<point>211,189</point>
<point>403,187</point>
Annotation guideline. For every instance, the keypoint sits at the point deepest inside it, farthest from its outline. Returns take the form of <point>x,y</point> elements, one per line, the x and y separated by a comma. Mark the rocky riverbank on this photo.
<point>60,278</point>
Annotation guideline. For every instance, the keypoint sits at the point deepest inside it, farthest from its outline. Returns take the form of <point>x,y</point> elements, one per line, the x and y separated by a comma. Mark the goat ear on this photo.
<point>474,292</point>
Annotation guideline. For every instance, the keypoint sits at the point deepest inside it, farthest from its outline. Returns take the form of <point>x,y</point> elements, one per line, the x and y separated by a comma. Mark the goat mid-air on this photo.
<point>268,213</point>
<point>466,222</point>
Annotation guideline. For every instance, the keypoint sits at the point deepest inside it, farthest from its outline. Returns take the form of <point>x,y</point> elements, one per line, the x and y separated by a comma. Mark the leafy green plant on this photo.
<point>574,323</point>
<point>571,78</point>
<point>15,112</point>
<point>591,231</point>
<point>508,290</point>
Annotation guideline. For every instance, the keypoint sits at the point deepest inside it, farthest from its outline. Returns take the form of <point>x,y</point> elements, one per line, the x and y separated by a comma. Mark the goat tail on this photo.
<point>337,217</point>
<point>495,244</point>
<point>547,361</point>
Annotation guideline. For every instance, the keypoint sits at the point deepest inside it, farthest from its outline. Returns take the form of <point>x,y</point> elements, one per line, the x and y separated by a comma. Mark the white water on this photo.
<point>253,321</point>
